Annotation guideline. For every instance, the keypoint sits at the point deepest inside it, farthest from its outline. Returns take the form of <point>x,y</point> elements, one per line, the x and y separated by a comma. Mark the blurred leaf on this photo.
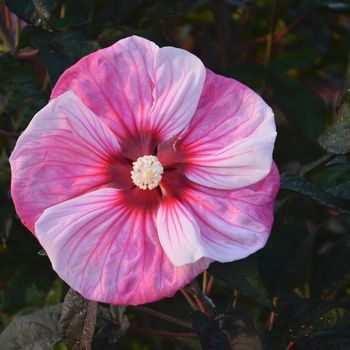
<point>331,338</point>
<point>109,335</point>
<point>302,107</point>
<point>170,8</point>
<point>56,60</point>
<point>293,59</point>
<point>246,72</point>
<point>274,339</point>
<point>295,184</point>
<point>316,165</point>
<point>74,44</point>
<point>340,159</point>
<point>29,286</point>
<point>334,270</point>
<point>296,275</point>
<point>243,275</point>
<point>336,138</point>
<point>341,191</point>
<point>296,313</point>
<point>345,90</point>
<point>209,334</point>
<point>21,95</point>
<point>229,328</point>
<point>34,12</point>
<point>32,332</point>
<point>330,4</point>
<point>307,322</point>
<point>117,11</point>
<point>78,320</point>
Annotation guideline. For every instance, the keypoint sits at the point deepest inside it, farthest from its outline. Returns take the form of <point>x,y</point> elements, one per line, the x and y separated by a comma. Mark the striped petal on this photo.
<point>65,151</point>
<point>105,245</point>
<point>144,93</point>
<point>229,142</point>
<point>218,224</point>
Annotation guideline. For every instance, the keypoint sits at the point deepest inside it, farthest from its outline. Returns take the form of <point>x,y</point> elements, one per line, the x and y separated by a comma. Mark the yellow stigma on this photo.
<point>149,174</point>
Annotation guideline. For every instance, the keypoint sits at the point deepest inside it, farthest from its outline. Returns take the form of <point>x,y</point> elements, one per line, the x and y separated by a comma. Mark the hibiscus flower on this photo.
<point>143,169</point>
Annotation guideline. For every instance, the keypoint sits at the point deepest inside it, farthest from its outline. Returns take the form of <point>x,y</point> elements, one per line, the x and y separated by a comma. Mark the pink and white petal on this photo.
<point>143,93</point>
<point>229,117</point>
<point>233,224</point>
<point>108,250</point>
<point>179,78</point>
<point>179,233</point>
<point>238,165</point>
<point>65,151</point>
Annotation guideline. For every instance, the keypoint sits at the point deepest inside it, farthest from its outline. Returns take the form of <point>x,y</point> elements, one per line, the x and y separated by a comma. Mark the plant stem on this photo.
<point>165,317</point>
<point>189,299</point>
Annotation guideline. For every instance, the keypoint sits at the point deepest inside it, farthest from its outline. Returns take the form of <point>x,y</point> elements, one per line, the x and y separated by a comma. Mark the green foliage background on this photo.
<point>294,293</point>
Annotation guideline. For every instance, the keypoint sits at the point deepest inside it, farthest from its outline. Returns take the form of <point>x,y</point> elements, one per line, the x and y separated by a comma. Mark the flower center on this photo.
<point>147,172</point>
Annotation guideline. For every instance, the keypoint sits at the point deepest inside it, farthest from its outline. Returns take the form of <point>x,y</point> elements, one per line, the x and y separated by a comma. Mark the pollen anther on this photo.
<point>147,172</point>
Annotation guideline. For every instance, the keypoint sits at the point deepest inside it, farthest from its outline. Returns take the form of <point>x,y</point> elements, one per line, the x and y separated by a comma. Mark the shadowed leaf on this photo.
<point>78,320</point>
<point>298,185</point>
<point>32,332</point>
<point>229,328</point>
<point>35,12</point>
<point>336,138</point>
<point>243,275</point>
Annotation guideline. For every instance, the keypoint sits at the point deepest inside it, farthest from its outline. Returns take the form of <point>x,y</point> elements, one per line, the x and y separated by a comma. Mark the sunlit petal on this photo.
<point>109,251</point>
<point>179,233</point>
<point>143,93</point>
<point>232,224</point>
<point>229,142</point>
<point>65,151</point>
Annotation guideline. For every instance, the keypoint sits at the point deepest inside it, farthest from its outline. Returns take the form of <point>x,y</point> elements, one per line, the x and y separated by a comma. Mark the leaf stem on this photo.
<point>272,315</point>
<point>189,299</point>
<point>205,282</point>
<point>165,317</point>
<point>210,285</point>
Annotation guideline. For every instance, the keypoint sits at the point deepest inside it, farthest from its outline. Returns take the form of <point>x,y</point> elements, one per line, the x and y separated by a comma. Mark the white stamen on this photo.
<point>147,172</point>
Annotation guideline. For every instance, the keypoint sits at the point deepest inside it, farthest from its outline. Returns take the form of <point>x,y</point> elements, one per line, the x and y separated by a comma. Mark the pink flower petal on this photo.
<point>65,151</point>
<point>229,142</point>
<point>179,233</point>
<point>108,249</point>
<point>143,93</point>
<point>232,224</point>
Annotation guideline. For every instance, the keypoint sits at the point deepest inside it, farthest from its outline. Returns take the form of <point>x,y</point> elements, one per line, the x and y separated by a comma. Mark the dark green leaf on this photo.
<point>292,183</point>
<point>316,165</point>
<point>336,138</point>
<point>246,71</point>
<point>238,326</point>
<point>293,59</point>
<point>341,159</point>
<point>78,320</point>
<point>302,107</point>
<point>74,44</point>
<point>337,5</point>
<point>29,287</point>
<point>209,334</point>
<point>296,276</point>
<point>295,314</point>
<point>274,339</point>
<point>341,191</point>
<point>35,12</point>
<point>243,275</point>
<point>56,60</point>
<point>334,270</point>
<point>32,332</point>
<point>229,328</point>
<point>169,8</point>
<point>109,335</point>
